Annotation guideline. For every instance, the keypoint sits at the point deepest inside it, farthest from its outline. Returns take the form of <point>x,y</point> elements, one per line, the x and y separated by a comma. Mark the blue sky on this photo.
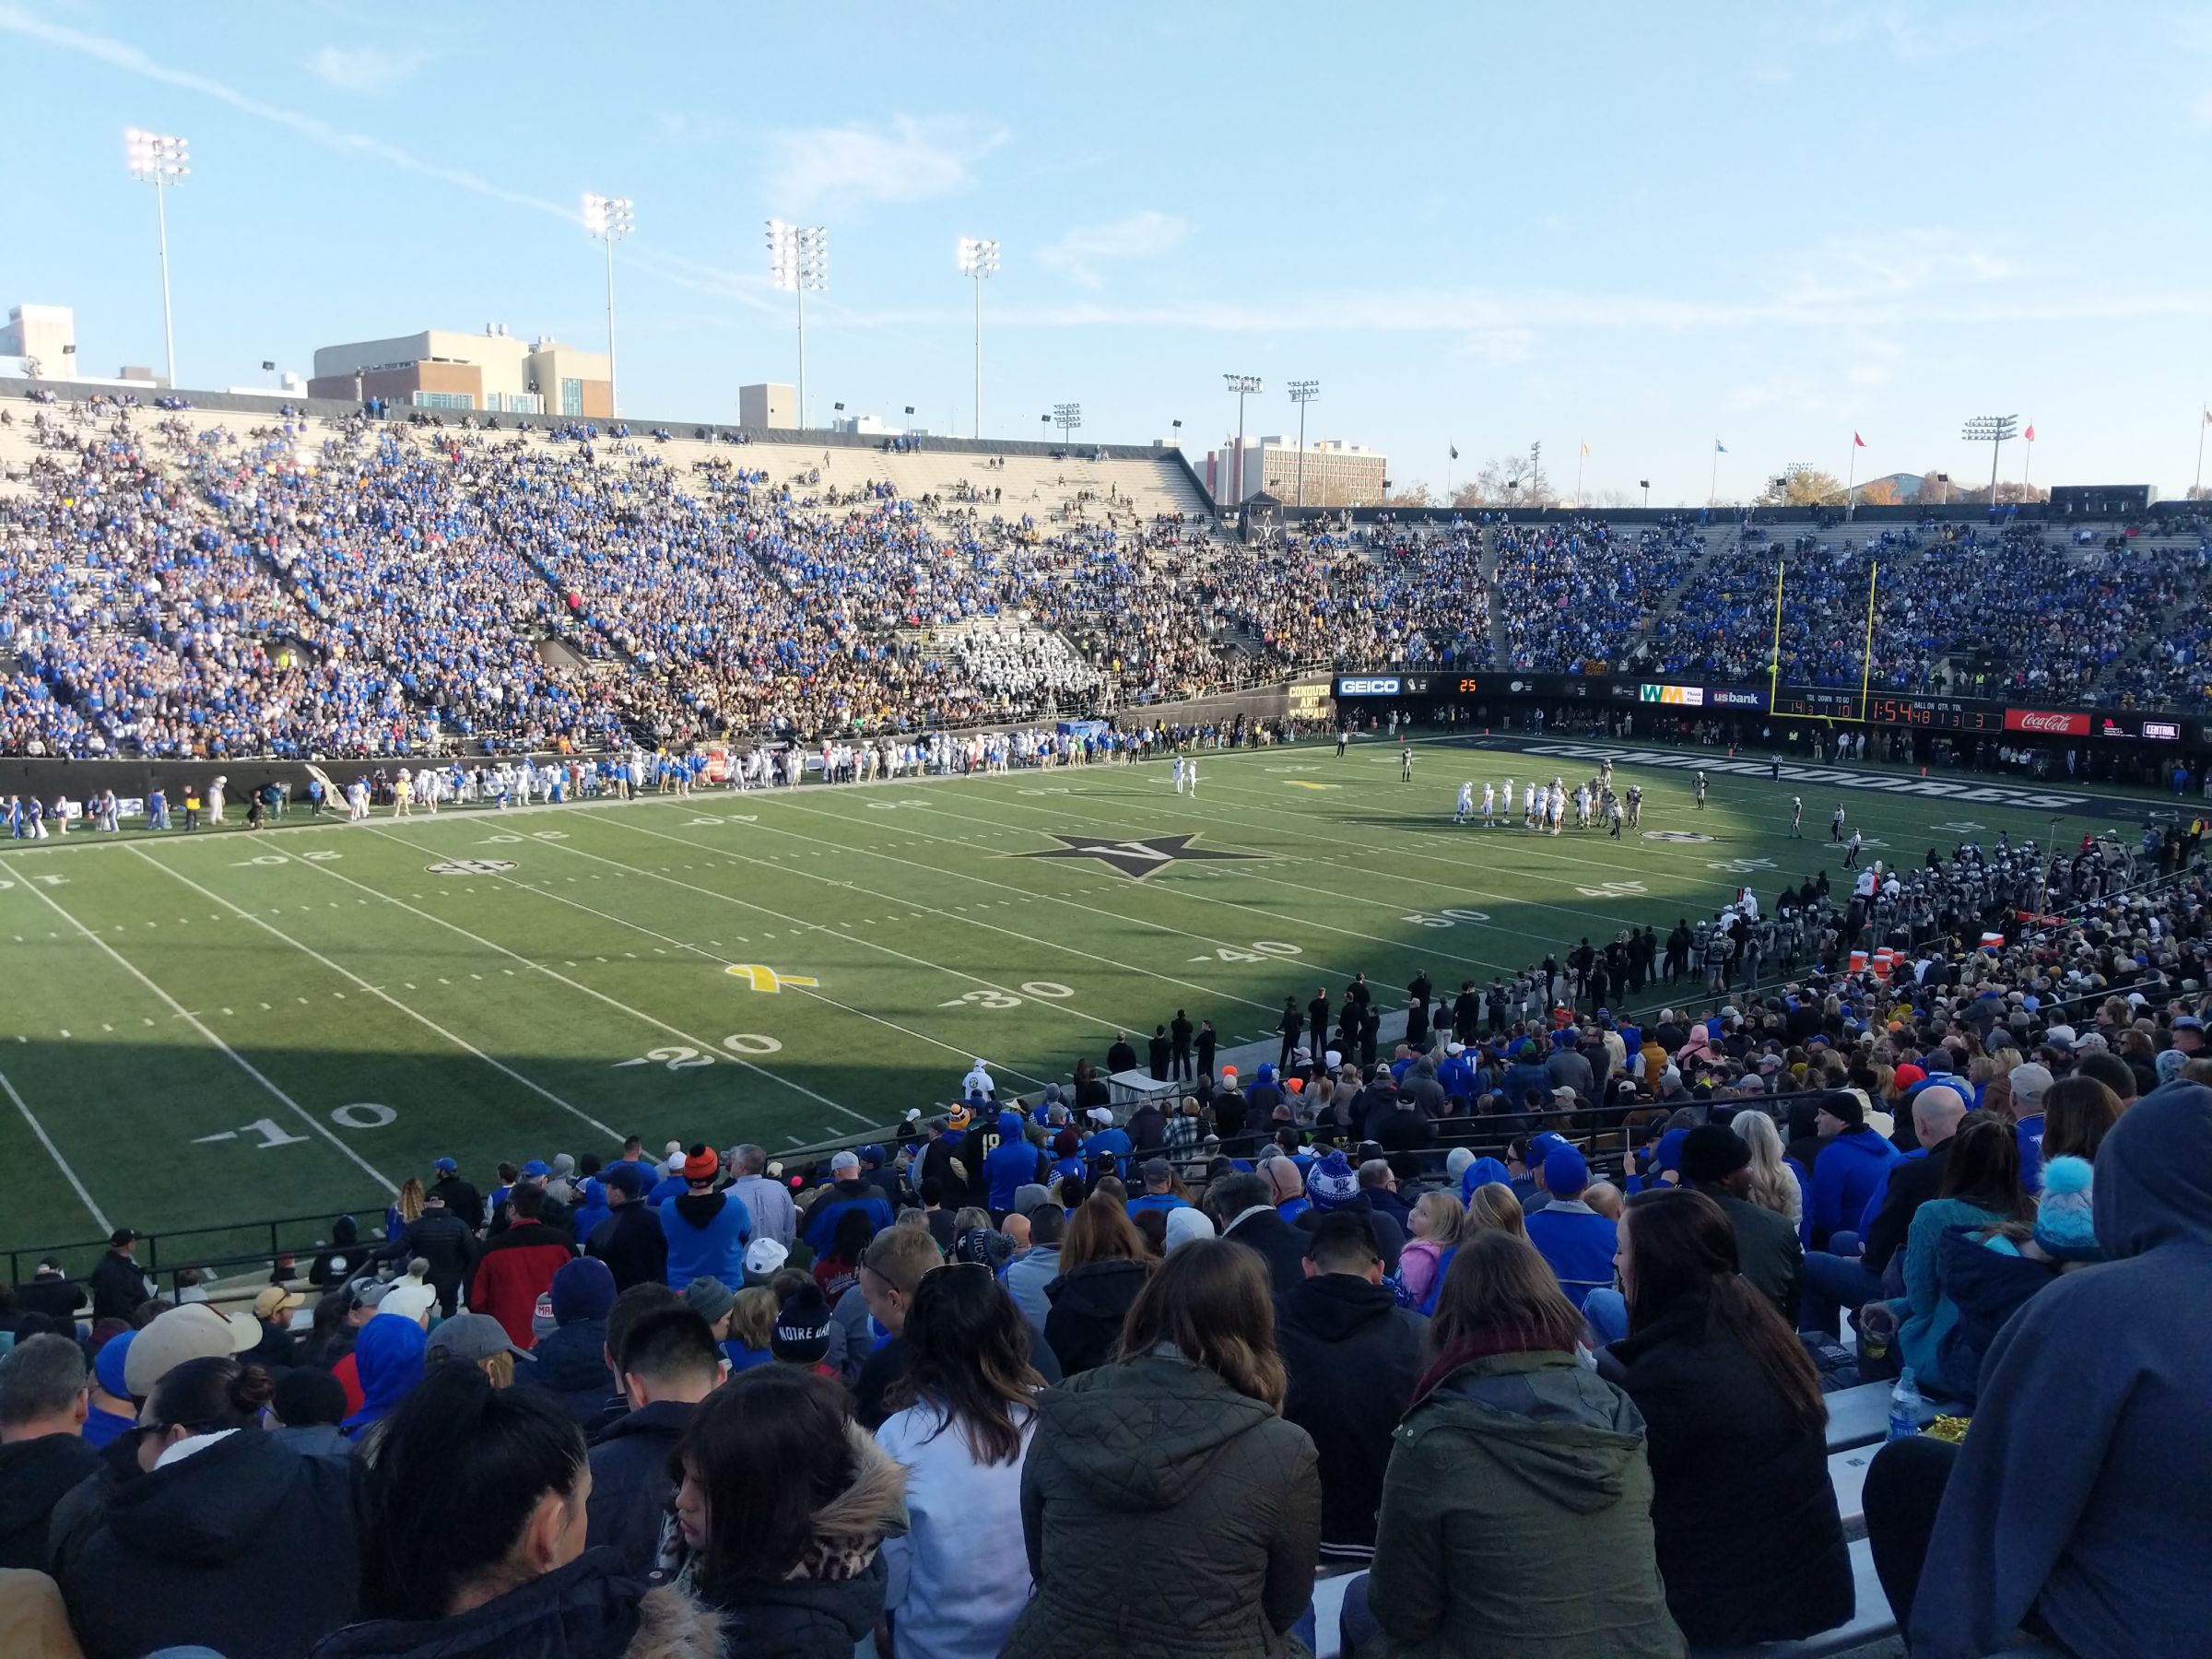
<point>1472,225</point>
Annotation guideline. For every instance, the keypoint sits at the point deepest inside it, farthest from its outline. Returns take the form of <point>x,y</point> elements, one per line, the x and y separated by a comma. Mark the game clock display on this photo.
<point>1933,713</point>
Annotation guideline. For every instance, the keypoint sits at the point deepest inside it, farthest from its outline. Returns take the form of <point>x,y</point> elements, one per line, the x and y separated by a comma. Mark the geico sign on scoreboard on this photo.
<point>1383,685</point>
<point>1691,697</point>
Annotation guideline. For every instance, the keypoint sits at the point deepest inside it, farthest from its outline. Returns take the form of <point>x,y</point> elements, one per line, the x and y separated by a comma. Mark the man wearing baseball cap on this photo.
<point>629,1241</point>
<point>118,1283</point>
<point>195,1331</point>
<point>461,1198</point>
<point>1578,1241</point>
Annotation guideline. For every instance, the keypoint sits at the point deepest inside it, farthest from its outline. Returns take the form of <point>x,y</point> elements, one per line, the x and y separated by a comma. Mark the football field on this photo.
<point>222,1026</point>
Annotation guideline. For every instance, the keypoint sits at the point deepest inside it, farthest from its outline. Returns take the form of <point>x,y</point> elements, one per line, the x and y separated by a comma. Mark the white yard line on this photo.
<point>423,1019</point>
<point>1377,853</point>
<point>1182,894</point>
<point>237,1059</point>
<point>718,1049</point>
<point>55,1152</point>
<point>701,951</point>
<point>1045,940</point>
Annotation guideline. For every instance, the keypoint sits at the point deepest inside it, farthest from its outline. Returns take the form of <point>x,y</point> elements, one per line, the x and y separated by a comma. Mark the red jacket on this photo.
<point>515,1269</point>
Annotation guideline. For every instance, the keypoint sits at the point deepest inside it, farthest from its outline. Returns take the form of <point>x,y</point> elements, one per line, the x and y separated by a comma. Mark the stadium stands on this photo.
<point>217,583</point>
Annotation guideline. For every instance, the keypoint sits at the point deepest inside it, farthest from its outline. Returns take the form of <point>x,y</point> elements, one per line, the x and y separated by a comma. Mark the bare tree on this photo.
<point>1415,494</point>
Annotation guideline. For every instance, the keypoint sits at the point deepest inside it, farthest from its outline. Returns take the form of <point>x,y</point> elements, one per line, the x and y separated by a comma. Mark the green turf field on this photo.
<point>217,1027</point>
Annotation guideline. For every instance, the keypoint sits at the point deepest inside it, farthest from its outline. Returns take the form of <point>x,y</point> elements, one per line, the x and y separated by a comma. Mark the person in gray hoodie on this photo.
<point>2066,1512</point>
<point>1027,1276</point>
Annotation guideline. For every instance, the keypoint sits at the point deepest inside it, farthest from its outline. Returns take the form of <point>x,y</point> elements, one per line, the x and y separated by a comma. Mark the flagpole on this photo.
<point>2198,491</point>
<point>2027,465</point>
<point>1851,487</point>
<point>1582,454</point>
<point>1774,671</point>
<point>1866,659</point>
<point>1713,489</point>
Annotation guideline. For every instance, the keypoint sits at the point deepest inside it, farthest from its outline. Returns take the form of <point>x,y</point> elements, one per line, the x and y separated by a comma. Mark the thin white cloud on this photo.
<point>1499,347</point>
<point>364,68</point>
<point>675,268</point>
<point>1148,234</point>
<point>912,160</point>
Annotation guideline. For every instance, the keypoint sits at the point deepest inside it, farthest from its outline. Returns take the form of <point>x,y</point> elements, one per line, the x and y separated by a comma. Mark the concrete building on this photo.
<point>1336,475</point>
<point>493,372</point>
<point>44,334</point>
<point>769,407</point>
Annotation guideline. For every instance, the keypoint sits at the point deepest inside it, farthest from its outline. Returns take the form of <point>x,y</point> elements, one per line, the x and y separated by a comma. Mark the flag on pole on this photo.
<point>1720,449</point>
<point>1857,442</point>
<point>1585,449</point>
<point>2029,434</point>
<point>2208,417</point>
<point>1454,451</point>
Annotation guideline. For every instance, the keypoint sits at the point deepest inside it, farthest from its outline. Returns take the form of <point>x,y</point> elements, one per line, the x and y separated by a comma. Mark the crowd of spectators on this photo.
<point>398,588</point>
<point>1534,1321</point>
<point>368,587</point>
<point>1581,591</point>
<point>2003,610</point>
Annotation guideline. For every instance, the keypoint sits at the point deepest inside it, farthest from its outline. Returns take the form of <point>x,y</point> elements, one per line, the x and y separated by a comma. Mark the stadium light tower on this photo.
<point>979,260</point>
<point>1302,394</point>
<point>1067,418</point>
<point>1992,430</point>
<point>610,219</point>
<point>798,258</point>
<point>163,161</point>
<point>1243,385</point>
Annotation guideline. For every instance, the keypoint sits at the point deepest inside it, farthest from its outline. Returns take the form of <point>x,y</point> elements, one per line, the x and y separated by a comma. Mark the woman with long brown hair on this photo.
<point>1103,1263</point>
<point>1749,1542</point>
<point>961,1419</point>
<point>1981,1189</point>
<point>1516,1512</point>
<point>2077,1114</point>
<point>1176,1456</point>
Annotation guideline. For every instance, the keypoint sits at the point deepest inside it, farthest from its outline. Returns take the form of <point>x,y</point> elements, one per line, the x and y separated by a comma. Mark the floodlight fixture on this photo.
<point>978,260</point>
<point>163,160</point>
<point>798,259</point>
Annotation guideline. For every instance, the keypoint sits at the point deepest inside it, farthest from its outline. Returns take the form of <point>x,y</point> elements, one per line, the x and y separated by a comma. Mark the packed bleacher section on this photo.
<point>221,586</point>
<point>188,584</point>
<point>1579,592</point>
<point>2054,621</point>
<point>1569,1324</point>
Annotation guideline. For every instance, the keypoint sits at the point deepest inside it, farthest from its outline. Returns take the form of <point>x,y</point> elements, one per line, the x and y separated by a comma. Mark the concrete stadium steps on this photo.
<point>1489,580</point>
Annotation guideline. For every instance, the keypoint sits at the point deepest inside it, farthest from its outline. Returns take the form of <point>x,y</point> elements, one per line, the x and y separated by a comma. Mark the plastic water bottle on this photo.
<point>1904,1407</point>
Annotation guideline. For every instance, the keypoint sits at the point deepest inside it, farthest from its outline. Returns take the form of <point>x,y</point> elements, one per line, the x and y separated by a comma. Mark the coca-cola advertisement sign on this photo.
<point>2046,723</point>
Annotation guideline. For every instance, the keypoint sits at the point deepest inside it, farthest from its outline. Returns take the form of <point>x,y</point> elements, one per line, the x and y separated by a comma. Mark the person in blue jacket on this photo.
<point>1525,1075</point>
<point>847,1191</point>
<point>1107,1141</point>
<point>1578,1241</point>
<point>1853,1167</point>
<point>707,1230</point>
<point>1010,1165</point>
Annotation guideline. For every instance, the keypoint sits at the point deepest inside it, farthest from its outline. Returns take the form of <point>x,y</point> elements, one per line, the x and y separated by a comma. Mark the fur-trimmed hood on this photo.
<point>673,1626</point>
<point>873,1507</point>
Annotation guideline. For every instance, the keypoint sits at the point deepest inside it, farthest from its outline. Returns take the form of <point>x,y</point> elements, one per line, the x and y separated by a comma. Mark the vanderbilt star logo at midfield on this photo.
<point>1135,859</point>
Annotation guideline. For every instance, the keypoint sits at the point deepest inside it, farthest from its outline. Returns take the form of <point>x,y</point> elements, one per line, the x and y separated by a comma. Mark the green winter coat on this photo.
<point>1167,1516</point>
<point>1516,1521</point>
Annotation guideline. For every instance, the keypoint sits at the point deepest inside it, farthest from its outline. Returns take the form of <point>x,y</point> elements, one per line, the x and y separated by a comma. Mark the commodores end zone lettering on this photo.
<point>1937,788</point>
